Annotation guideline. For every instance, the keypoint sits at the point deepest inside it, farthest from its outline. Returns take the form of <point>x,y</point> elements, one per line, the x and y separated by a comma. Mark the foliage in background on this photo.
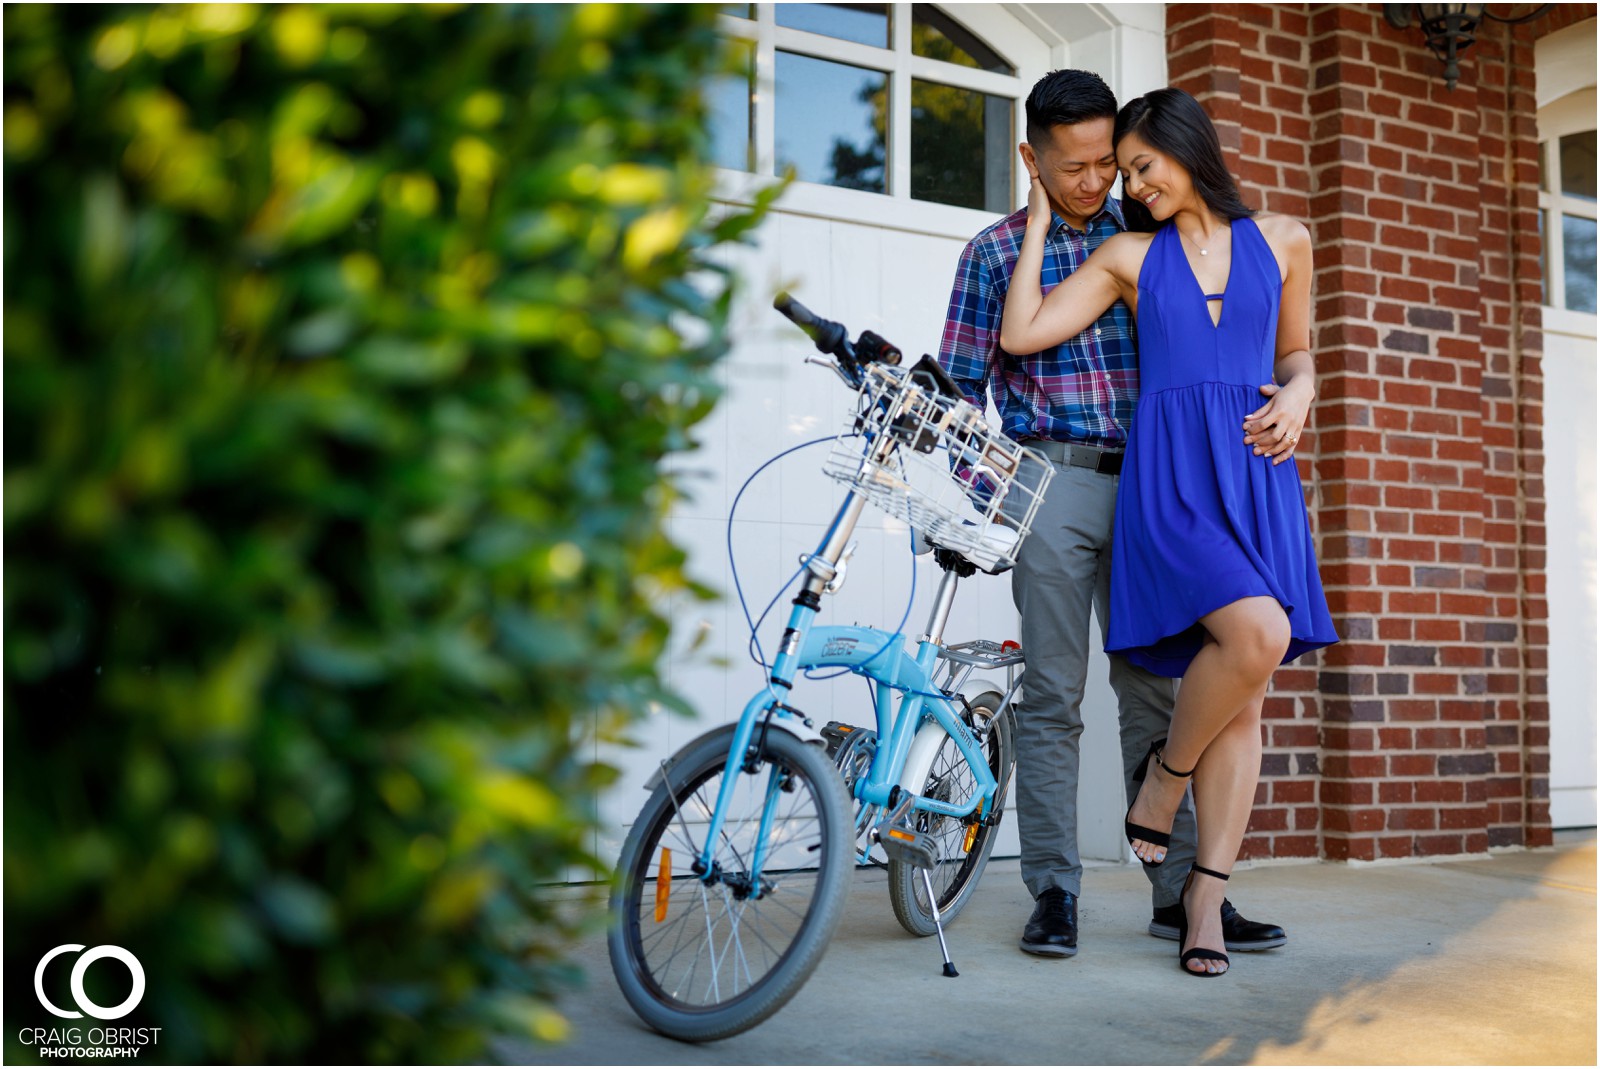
<point>341,346</point>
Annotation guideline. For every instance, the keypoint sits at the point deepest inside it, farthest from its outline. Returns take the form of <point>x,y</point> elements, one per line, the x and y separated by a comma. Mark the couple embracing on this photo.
<point>1157,350</point>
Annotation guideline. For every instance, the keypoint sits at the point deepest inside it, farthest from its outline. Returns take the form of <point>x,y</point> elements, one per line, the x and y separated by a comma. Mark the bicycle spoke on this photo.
<point>734,940</point>
<point>735,916</point>
<point>737,941</point>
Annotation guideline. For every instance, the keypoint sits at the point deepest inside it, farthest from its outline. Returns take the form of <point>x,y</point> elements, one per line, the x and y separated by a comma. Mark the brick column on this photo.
<point>1203,60</point>
<point>1515,640</point>
<point>1424,465</point>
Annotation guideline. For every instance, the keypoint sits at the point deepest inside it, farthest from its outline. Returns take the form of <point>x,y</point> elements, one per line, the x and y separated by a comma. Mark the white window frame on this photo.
<point>1572,114</point>
<point>894,209</point>
<point>1565,62</point>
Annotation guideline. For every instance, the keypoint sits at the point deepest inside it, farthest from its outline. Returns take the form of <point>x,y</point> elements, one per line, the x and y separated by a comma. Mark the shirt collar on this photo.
<point>1112,209</point>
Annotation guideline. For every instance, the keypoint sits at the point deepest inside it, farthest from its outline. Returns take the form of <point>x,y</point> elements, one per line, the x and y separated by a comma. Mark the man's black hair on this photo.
<point>1173,122</point>
<point>1066,98</point>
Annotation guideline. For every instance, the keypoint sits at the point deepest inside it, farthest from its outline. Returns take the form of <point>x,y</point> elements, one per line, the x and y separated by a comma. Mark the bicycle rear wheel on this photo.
<point>701,961</point>
<point>964,845</point>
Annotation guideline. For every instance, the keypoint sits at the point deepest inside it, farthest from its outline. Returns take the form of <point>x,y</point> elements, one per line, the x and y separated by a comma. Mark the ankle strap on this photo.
<point>1209,872</point>
<point>1174,773</point>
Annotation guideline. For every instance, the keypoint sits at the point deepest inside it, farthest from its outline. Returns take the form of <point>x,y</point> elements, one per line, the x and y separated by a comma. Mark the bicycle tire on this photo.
<point>683,959</point>
<point>960,867</point>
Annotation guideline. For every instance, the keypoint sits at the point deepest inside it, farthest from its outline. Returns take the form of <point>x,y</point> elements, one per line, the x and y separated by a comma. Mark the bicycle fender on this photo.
<point>793,725</point>
<point>930,736</point>
<point>919,759</point>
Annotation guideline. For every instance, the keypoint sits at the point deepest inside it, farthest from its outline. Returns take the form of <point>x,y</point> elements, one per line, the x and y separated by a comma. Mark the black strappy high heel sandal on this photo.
<point>1135,831</point>
<point>1197,953</point>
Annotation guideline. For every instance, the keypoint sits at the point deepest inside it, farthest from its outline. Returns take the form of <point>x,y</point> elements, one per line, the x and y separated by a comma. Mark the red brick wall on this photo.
<point>1426,731</point>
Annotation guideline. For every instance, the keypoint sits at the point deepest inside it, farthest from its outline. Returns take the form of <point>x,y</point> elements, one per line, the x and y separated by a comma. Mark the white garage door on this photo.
<point>901,122</point>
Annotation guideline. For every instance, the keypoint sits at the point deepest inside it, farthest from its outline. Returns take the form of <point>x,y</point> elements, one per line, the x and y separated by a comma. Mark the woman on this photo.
<point>1213,574</point>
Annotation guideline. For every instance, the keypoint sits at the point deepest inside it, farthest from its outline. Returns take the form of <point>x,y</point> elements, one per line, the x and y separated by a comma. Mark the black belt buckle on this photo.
<point>1109,464</point>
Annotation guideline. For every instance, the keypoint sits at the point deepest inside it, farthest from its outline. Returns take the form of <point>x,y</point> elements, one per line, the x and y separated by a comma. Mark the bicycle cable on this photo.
<point>753,646</point>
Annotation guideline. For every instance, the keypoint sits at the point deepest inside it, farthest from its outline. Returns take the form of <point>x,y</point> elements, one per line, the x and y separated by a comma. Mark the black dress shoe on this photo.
<point>1238,933</point>
<point>1053,928</point>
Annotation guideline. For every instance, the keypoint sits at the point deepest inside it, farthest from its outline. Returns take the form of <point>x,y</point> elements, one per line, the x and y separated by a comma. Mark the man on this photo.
<point>1074,404</point>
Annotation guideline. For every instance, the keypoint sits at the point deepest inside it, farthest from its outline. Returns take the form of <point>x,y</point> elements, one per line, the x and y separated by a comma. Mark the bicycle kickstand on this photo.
<point>938,925</point>
<point>917,849</point>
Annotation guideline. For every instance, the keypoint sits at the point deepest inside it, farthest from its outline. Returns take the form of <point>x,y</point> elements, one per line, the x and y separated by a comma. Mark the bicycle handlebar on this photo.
<point>832,338</point>
<point>829,337</point>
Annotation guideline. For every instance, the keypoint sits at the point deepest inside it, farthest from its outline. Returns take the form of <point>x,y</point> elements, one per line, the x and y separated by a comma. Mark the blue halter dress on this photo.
<point>1201,520</point>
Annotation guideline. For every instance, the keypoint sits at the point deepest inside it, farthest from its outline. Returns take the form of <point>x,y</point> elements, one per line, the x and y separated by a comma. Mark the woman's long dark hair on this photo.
<point>1173,122</point>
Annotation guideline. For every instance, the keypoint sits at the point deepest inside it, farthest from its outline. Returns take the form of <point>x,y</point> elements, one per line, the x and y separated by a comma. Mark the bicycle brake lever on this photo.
<point>834,367</point>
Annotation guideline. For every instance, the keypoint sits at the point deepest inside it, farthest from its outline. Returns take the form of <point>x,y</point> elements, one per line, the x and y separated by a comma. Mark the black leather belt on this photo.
<point>1103,461</point>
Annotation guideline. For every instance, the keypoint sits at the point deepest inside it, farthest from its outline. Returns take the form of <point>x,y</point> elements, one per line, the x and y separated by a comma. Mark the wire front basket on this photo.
<point>954,480</point>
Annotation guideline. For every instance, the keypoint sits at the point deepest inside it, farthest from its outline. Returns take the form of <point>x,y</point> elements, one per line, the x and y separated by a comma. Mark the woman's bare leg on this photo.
<point>1247,641</point>
<point>1224,794</point>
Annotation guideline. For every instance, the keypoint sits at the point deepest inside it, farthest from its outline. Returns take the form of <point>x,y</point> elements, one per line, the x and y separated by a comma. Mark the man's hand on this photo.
<point>1274,428</point>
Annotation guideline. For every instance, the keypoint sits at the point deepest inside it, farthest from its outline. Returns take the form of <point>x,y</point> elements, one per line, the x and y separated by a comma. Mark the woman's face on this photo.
<point>1153,178</point>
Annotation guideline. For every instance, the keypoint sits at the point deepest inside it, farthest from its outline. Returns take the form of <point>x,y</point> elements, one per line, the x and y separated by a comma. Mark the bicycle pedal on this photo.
<point>915,848</point>
<point>836,733</point>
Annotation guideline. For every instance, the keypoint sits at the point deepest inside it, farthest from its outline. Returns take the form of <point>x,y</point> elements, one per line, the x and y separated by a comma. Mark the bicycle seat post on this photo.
<point>955,568</point>
<point>944,599</point>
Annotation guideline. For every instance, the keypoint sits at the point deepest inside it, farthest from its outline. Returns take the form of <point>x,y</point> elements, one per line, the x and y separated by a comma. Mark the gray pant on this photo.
<point>1064,567</point>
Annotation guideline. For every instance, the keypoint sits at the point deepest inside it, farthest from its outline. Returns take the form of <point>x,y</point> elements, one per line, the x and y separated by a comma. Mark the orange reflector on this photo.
<point>899,833</point>
<point>972,830</point>
<point>663,884</point>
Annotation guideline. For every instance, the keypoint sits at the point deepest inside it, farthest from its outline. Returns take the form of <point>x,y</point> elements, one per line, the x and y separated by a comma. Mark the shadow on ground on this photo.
<point>1487,961</point>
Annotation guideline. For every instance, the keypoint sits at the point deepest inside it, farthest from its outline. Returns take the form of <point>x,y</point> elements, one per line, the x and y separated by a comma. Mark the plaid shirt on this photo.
<point>1084,389</point>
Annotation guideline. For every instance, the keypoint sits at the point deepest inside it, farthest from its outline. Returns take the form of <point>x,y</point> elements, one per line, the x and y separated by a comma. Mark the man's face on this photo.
<point>1076,167</point>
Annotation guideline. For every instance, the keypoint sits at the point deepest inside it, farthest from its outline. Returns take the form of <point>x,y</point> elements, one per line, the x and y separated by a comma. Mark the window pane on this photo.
<point>1577,165</point>
<point>729,99</point>
<point>960,147</point>
<point>831,121</point>
<point>1545,254</point>
<point>938,36</point>
<point>738,11</point>
<point>866,24</point>
<point>1544,166</point>
<point>1577,241</point>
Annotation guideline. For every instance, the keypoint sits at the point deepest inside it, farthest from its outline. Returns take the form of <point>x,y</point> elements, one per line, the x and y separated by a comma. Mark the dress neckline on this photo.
<point>1207,298</point>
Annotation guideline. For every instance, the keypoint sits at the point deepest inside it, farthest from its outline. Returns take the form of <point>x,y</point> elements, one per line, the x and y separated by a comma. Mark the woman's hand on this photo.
<point>1038,199</point>
<point>1274,428</point>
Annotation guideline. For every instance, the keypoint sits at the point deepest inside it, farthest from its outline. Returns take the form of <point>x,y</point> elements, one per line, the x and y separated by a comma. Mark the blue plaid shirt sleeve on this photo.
<point>971,326</point>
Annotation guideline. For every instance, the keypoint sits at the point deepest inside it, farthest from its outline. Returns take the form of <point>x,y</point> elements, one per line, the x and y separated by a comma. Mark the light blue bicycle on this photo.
<point>734,875</point>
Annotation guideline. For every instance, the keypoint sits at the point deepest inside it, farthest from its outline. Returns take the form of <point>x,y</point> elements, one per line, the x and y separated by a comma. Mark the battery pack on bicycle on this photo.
<point>734,876</point>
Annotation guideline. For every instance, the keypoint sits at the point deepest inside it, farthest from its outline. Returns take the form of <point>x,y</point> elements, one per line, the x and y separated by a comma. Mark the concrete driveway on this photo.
<point>1484,961</point>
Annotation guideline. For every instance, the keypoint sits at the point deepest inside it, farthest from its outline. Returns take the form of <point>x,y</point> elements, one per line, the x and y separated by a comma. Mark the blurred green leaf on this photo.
<point>343,345</point>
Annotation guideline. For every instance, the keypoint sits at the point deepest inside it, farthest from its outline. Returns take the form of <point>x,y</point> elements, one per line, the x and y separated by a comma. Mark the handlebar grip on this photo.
<point>825,333</point>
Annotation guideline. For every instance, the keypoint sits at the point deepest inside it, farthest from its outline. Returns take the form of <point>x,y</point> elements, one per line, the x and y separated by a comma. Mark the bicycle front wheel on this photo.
<point>964,845</point>
<point>704,959</point>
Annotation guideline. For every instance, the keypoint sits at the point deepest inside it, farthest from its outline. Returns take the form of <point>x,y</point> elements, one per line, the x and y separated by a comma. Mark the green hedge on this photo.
<point>341,347</point>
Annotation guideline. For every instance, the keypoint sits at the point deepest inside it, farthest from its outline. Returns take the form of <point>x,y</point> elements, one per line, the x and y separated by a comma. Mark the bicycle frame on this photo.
<point>879,656</point>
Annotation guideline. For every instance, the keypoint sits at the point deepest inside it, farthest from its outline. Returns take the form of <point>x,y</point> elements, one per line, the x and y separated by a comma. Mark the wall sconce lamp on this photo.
<point>1449,28</point>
